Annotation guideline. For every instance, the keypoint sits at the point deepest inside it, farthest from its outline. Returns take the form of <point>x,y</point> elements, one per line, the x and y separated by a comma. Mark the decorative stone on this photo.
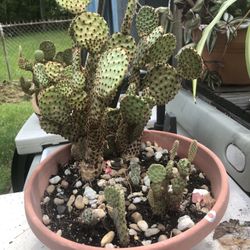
<point>148,144</point>
<point>143,146</point>
<point>184,223</point>
<point>109,245</point>
<point>143,225</point>
<point>78,184</point>
<point>146,242</point>
<point>46,200</point>
<point>46,219</point>
<point>161,227</point>
<point>132,232</point>
<point>112,182</point>
<point>146,181</point>
<point>102,206</point>
<point>131,207</point>
<point>100,214</point>
<point>50,189</point>
<point>106,176</point>
<point>151,231</point>
<point>58,201</point>
<point>100,199</point>
<point>94,206</point>
<point>75,191</point>
<point>135,194</point>
<point>90,193</point>
<point>67,172</point>
<point>85,200</point>
<point>94,201</point>
<point>205,187</point>
<point>122,171</point>
<point>201,175</point>
<point>150,154</point>
<point>71,200</point>
<point>162,237</point>
<point>158,155</point>
<point>134,160</point>
<point>154,226</point>
<point>144,188</point>
<point>54,180</point>
<point>60,209</point>
<point>79,203</point>
<point>135,227</point>
<point>175,171</point>
<point>59,232</point>
<point>198,195</point>
<point>137,200</point>
<point>176,231</point>
<point>101,183</point>
<point>136,217</point>
<point>64,184</point>
<point>107,238</point>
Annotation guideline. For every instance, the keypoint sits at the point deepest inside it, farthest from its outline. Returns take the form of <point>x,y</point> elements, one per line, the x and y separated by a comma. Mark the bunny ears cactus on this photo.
<point>75,101</point>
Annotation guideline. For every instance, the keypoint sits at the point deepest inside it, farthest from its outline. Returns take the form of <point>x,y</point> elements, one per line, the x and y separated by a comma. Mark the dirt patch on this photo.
<point>11,92</point>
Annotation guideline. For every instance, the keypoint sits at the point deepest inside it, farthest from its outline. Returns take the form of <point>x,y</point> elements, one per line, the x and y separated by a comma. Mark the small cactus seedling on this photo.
<point>168,183</point>
<point>115,198</point>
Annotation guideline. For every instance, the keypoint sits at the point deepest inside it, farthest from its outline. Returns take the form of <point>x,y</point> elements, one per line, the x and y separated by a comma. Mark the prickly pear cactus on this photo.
<point>75,95</point>
<point>115,198</point>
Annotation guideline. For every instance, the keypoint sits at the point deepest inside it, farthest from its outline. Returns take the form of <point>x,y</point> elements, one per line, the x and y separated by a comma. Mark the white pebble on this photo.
<point>146,242</point>
<point>58,201</point>
<point>158,156</point>
<point>144,188</point>
<point>136,217</point>
<point>162,237</point>
<point>132,232</point>
<point>101,183</point>
<point>131,207</point>
<point>50,189</point>
<point>201,175</point>
<point>46,219</point>
<point>135,194</point>
<point>107,238</point>
<point>146,181</point>
<point>137,200</point>
<point>67,172</point>
<point>148,144</point>
<point>151,231</point>
<point>109,245</point>
<point>46,199</point>
<point>79,203</point>
<point>64,184</point>
<point>75,191</point>
<point>143,225</point>
<point>100,213</point>
<point>78,184</point>
<point>185,222</point>
<point>161,227</point>
<point>59,232</point>
<point>90,193</point>
<point>71,200</point>
<point>55,179</point>
<point>135,227</point>
<point>176,231</point>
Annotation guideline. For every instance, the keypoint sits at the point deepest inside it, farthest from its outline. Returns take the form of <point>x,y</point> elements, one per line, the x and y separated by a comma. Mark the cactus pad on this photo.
<point>157,173</point>
<point>128,18</point>
<point>192,150</point>
<point>125,42</point>
<point>39,55</point>
<point>163,83</point>
<point>48,49</point>
<point>73,6</point>
<point>146,21</point>
<point>90,31</point>
<point>110,71</point>
<point>174,149</point>
<point>53,70</point>
<point>162,49</point>
<point>88,217</point>
<point>135,110</point>
<point>40,75</point>
<point>67,56</point>
<point>189,64</point>
<point>53,106</point>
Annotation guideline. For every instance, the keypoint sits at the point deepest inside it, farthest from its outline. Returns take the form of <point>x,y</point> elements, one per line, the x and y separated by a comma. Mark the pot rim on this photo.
<point>222,198</point>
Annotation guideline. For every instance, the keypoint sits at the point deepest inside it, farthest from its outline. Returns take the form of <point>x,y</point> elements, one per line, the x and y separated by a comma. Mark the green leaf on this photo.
<point>247,50</point>
<point>207,31</point>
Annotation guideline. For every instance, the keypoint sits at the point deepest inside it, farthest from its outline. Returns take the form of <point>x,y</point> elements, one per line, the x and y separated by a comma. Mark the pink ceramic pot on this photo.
<point>206,160</point>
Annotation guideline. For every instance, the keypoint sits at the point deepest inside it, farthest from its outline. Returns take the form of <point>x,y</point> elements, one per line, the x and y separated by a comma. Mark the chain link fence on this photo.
<point>29,36</point>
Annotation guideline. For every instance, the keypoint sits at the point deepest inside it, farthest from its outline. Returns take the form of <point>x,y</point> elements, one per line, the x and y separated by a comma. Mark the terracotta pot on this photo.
<point>230,62</point>
<point>206,160</point>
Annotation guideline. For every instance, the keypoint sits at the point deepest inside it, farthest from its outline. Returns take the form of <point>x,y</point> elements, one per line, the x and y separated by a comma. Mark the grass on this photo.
<point>29,42</point>
<point>12,117</point>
